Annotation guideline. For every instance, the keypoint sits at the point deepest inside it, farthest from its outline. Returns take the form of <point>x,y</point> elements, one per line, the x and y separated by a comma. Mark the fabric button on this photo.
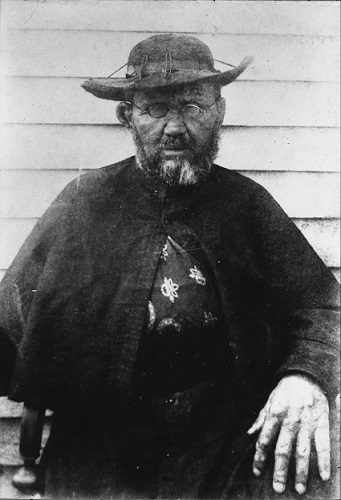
<point>168,326</point>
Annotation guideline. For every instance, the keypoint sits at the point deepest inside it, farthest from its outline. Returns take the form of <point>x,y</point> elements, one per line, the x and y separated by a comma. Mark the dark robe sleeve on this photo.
<point>20,284</point>
<point>304,290</point>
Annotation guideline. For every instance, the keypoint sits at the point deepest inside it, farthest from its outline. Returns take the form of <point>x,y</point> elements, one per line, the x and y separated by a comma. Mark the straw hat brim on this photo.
<point>115,88</point>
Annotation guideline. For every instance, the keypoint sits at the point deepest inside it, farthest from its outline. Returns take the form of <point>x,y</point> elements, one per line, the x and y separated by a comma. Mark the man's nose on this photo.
<point>175,124</point>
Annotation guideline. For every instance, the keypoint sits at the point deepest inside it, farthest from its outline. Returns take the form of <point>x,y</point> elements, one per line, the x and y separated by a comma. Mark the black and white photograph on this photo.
<point>170,250</point>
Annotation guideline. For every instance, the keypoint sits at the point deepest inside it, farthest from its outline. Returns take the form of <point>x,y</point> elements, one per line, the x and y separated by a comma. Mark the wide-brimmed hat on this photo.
<point>163,61</point>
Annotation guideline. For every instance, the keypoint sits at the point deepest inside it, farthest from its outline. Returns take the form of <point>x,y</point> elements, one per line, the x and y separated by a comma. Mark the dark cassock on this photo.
<point>155,318</point>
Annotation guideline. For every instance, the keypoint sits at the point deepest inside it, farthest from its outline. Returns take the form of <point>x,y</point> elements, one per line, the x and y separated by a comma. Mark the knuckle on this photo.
<point>280,475</point>
<point>302,469</point>
<point>309,405</point>
<point>291,425</point>
<point>307,419</point>
<point>302,477</point>
<point>282,453</point>
<point>259,462</point>
<point>261,447</point>
<point>283,446</point>
<point>294,415</point>
<point>264,439</point>
<point>275,411</point>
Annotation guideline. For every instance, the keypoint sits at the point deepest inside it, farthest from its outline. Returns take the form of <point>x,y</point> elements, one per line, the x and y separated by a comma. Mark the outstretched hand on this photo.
<point>297,412</point>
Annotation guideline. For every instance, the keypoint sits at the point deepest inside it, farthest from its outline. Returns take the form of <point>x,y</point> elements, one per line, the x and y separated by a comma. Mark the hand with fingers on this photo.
<point>297,412</point>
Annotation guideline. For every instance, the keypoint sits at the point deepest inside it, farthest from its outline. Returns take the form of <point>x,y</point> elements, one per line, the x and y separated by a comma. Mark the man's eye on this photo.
<point>191,110</point>
<point>158,110</point>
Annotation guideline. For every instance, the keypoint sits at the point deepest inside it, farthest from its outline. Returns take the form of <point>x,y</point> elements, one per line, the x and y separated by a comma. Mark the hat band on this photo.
<point>174,71</point>
<point>190,66</point>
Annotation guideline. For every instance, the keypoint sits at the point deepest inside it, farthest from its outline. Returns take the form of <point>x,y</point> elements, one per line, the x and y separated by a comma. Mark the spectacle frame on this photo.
<point>160,110</point>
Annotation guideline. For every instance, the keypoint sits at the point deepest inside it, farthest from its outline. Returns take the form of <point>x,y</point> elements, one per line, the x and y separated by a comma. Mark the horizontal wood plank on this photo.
<point>10,409</point>
<point>27,193</point>
<point>241,148</point>
<point>13,233</point>
<point>323,235</point>
<point>62,100</point>
<point>84,53</point>
<point>302,194</point>
<point>295,18</point>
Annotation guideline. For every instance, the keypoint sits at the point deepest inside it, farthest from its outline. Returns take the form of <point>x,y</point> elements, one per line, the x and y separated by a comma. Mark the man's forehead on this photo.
<point>195,90</point>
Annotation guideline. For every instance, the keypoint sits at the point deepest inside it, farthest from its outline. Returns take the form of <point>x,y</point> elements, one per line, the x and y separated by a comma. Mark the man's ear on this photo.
<point>124,113</point>
<point>221,106</point>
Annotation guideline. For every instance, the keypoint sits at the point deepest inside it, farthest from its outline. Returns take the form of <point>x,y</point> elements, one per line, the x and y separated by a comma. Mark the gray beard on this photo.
<point>185,171</point>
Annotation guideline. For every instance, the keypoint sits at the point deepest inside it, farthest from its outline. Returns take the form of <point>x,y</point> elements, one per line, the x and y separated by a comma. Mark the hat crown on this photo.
<point>164,61</point>
<point>169,53</point>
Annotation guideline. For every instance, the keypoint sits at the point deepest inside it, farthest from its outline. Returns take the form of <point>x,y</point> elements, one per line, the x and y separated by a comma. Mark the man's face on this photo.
<point>177,148</point>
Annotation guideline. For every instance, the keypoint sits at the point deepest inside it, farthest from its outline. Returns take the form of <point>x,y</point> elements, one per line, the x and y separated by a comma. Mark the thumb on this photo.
<point>258,424</point>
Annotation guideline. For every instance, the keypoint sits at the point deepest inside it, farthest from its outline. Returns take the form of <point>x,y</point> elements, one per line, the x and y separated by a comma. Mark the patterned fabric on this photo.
<point>182,281</point>
<point>169,289</point>
<point>183,323</point>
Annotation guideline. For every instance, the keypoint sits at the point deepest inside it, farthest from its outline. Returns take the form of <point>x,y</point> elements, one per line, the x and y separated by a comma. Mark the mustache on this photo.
<point>177,143</point>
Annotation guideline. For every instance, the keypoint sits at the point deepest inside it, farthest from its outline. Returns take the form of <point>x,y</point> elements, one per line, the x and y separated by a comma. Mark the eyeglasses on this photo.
<point>189,111</point>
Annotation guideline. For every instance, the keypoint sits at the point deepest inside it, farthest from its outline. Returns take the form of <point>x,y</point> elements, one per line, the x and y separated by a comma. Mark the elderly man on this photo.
<point>163,302</point>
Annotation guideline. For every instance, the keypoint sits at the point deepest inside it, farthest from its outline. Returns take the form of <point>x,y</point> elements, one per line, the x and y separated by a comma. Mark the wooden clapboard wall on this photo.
<point>282,114</point>
<point>280,127</point>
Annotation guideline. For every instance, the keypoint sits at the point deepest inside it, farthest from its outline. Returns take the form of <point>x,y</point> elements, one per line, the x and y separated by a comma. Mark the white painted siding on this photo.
<point>281,125</point>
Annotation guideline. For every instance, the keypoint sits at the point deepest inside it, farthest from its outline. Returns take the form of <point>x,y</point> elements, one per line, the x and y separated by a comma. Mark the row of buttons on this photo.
<point>166,220</point>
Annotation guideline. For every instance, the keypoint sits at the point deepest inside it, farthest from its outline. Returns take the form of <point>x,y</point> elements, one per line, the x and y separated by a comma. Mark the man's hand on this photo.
<point>297,411</point>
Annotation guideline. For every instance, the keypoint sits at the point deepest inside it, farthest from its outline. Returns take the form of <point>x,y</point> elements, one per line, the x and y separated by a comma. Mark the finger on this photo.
<point>303,448</point>
<point>265,439</point>
<point>322,444</point>
<point>283,451</point>
<point>258,424</point>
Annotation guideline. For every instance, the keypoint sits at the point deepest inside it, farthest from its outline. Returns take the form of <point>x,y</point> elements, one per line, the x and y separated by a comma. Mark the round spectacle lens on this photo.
<point>158,110</point>
<point>191,111</point>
